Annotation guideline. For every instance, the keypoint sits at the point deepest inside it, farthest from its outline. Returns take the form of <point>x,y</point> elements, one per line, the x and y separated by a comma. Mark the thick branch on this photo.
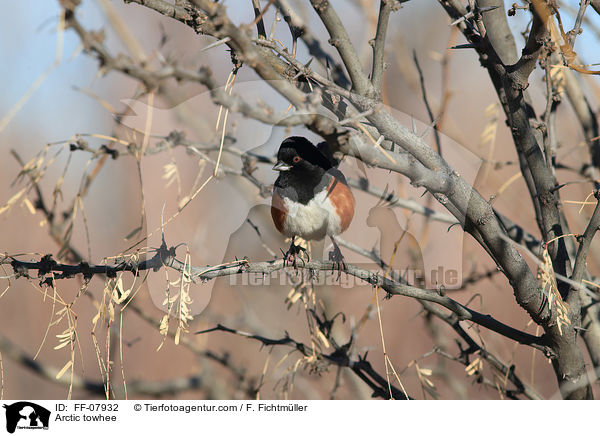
<point>581,305</point>
<point>341,41</point>
<point>385,9</point>
<point>165,8</point>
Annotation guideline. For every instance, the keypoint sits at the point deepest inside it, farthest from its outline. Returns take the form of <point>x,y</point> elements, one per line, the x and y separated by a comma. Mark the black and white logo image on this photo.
<point>26,415</point>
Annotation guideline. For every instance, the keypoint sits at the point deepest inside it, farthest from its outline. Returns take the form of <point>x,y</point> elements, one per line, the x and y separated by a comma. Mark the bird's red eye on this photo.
<point>296,159</point>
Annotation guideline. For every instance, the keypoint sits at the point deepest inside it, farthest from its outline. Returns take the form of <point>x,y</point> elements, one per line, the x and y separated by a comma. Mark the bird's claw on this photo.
<point>337,258</point>
<point>292,255</point>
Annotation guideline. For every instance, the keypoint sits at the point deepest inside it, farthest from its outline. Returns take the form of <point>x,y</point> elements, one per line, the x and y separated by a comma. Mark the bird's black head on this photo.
<point>298,155</point>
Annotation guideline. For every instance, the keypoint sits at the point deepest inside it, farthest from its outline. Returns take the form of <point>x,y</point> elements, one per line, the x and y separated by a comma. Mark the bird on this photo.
<point>311,198</point>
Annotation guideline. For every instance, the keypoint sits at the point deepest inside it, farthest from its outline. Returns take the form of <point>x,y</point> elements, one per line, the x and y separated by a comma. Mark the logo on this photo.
<point>26,415</point>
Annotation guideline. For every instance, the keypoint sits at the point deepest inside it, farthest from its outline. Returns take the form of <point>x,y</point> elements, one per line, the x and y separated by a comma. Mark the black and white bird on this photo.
<point>311,198</point>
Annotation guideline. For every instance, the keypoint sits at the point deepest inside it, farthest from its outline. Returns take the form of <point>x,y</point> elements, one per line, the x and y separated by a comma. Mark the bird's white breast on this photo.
<point>313,220</point>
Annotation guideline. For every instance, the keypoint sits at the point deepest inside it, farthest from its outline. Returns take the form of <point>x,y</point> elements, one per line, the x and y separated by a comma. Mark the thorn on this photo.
<point>463,18</point>
<point>216,44</point>
<point>355,118</point>
<point>162,223</point>
<point>487,8</point>
<point>459,46</point>
<point>471,14</point>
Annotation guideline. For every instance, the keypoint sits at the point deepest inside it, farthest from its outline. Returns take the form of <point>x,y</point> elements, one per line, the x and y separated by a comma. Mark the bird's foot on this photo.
<point>293,253</point>
<point>337,258</point>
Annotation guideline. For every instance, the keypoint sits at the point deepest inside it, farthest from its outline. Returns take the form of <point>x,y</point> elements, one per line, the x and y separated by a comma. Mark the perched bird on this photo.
<point>311,198</point>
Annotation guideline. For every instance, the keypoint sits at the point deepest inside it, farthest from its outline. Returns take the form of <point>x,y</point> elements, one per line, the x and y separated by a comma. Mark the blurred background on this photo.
<point>54,94</point>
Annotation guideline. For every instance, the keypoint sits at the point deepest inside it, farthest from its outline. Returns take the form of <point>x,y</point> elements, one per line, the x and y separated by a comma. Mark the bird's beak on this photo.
<point>280,166</point>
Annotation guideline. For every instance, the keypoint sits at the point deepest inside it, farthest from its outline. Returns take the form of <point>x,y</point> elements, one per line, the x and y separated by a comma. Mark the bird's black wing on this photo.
<point>325,149</point>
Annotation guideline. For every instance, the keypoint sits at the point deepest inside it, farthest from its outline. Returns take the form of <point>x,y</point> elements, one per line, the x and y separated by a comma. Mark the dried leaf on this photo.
<point>29,206</point>
<point>12,200</point>
<point>323,338</point>
<point>64,369</point>
<point>426,371</point>
<point>474,367</point>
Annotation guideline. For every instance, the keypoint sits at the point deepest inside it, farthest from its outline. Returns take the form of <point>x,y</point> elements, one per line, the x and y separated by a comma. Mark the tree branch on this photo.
<point>385,9</point>
<point>339,357</point>
<point>46,268</point>
<point>298,27</point>
<point>341,41</point>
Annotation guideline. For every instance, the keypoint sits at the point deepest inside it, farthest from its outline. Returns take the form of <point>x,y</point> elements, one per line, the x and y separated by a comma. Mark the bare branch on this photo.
<point>507,371</point>
<point>341,41</point>
<point>339,357</point>
<point>260,24</point>
<point>301,30</point>
<point>165,8</point>
<point>166,256</point>
<point>385,9</point>
<point>573,33</point>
